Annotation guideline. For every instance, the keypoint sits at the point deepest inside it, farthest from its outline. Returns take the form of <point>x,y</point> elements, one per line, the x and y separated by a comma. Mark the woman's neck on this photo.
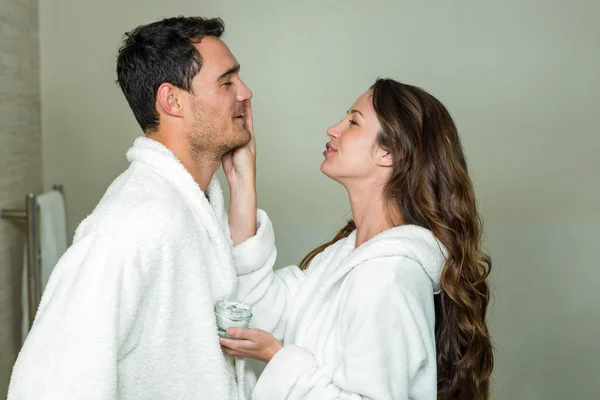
<point>371,214</point>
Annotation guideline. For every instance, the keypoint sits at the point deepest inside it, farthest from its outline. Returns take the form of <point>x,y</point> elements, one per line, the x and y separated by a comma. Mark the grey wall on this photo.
<point>20,158</point>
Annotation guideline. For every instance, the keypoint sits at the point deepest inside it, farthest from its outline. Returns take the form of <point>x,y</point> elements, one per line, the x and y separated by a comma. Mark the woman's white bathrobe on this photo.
<point>128,310</point>
<point>359,323</point>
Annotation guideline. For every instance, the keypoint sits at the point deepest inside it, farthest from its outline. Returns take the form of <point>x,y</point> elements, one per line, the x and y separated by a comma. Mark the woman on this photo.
<point>394,306</point>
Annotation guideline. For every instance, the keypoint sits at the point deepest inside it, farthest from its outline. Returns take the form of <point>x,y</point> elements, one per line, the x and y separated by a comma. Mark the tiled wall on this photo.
<point>20,158</point>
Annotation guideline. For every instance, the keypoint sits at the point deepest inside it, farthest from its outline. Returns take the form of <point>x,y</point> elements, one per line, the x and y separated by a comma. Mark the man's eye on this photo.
<point>352,122</point>
<point>227,84</point>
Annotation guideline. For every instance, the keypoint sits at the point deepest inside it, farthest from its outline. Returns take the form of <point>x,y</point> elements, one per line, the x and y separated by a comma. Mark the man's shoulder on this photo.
<point>131,207</point>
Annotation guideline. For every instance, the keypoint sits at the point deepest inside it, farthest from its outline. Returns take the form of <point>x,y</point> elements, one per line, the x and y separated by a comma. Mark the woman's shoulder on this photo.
<point>333,250</point>
<point>397,273</point>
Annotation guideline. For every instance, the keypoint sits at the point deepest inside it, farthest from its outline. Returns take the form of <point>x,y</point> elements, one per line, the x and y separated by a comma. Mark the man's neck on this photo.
<point>202,172</point>
<point>201,169</point>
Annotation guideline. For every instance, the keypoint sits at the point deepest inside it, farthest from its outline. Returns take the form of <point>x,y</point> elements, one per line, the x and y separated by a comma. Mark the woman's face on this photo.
<point>352,154</point>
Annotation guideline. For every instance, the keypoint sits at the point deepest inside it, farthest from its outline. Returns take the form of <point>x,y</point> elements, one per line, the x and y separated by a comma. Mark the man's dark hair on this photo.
<point>160,52</point>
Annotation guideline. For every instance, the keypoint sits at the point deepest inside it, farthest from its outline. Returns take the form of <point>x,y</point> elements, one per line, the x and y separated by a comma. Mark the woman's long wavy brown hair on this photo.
<point>431,188</point>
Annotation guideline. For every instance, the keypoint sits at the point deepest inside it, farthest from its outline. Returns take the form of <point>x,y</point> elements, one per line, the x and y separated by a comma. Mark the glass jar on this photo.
<point>232,313</point>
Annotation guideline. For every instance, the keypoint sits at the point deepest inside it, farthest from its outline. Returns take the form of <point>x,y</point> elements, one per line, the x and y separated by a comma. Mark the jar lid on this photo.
<point>233,309</point>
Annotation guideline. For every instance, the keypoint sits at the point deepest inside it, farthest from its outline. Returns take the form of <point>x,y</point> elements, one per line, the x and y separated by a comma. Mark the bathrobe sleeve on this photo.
<point>268,292</point>
<point>83,324</point>
<point>383,329</point>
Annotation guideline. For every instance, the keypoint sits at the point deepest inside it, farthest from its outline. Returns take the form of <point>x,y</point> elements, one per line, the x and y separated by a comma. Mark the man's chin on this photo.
<point>240,141</point>
<point>245,137</point>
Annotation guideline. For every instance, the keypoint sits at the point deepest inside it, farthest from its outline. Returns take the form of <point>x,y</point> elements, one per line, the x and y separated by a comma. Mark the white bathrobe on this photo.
<point>358,324</point>
<point>128,310</point>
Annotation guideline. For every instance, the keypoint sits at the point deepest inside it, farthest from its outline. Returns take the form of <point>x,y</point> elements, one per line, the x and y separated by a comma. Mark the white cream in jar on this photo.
<point>231,313</point>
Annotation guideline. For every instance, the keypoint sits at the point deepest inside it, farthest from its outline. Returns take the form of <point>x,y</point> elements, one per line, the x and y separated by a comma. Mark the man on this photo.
<point>128,311</point>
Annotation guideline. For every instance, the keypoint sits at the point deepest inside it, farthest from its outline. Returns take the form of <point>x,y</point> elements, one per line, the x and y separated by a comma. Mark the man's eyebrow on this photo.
<point>233,70</point>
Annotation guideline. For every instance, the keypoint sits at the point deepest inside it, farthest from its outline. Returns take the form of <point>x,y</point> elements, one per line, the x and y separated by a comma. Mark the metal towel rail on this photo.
<point>30,215</point>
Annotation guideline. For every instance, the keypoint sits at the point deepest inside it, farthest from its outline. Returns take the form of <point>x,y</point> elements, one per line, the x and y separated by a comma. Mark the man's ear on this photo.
<point>170,100</point>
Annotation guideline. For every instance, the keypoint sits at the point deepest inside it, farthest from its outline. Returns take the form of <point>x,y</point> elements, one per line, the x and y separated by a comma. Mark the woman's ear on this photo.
<point>385,159</point>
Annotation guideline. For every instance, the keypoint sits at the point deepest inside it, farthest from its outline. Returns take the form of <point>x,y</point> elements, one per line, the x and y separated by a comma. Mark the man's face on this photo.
<point>218,102</point>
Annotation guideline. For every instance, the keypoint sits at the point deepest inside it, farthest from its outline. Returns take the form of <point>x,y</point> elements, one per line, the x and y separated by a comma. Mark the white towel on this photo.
<point>53,244</point>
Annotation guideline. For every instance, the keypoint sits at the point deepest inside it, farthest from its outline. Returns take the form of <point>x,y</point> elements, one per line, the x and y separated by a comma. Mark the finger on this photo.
<point>243,333</point>
<point>228,343</point>
<point>238,344</point>
<point>249,123</point>
<point>248,120</point>
<point>230,351</point>
<point>237,353</point>
<point>226,157</point>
